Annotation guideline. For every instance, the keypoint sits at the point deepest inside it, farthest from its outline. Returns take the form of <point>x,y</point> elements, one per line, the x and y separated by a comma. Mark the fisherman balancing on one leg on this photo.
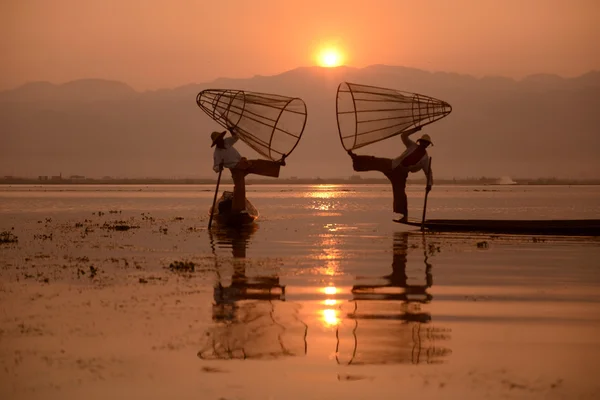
<point>413,159</point>
<point>227,156</point>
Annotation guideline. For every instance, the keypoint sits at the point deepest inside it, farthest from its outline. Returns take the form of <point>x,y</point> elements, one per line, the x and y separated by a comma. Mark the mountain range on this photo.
<point>540,126</point>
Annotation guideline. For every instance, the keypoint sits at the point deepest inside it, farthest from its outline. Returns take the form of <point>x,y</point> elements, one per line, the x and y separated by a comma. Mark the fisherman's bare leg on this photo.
<point>398,179</point>
<point>264,168</point>
<point>370,163</point>
<point>396,176</point>
<point>239,190</point>
<point>243,168</point>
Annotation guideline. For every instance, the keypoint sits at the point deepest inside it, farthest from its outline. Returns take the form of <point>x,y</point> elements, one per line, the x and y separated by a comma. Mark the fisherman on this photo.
<point>225,155</point>
<point>413,159</point>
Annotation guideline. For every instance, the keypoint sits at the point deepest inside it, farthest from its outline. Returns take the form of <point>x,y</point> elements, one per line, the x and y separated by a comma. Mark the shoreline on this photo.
<point>295,181</point>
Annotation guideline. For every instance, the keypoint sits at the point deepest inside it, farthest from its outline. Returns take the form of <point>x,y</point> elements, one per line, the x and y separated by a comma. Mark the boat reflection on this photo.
<point>250,317</point>
<point>388,324</point>
<point>236,239</point>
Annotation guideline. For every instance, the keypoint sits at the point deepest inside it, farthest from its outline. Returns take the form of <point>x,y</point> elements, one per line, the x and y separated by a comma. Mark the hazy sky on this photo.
<point>152,44</point>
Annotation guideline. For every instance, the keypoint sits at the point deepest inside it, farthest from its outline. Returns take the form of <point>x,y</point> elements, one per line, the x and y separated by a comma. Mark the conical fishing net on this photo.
<point>271,124</point>
<point>369,114</point>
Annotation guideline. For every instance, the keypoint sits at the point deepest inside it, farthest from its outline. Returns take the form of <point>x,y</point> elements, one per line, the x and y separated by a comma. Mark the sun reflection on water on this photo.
<point>326,197</point>
<point>329,253</point>
<point>331,227</point>
<point>330,315</point>
<point>330,290</point>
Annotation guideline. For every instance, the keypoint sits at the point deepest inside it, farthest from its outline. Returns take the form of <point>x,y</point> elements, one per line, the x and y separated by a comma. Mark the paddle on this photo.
<point>426,194</point>
<point>212,210</point>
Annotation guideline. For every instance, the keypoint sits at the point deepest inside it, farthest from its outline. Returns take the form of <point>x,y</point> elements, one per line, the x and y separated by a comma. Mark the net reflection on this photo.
<point>250,317</point>
<point>387,324</point>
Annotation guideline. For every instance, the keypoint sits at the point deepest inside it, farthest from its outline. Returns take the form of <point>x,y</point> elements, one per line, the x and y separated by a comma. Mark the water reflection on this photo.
<point>387,324</point>
<point>251,318</point>
<point>329,255</point>
<point>379,320</point>
<point>330,315</point>
<point>236,239</point>
<point>326,199</point>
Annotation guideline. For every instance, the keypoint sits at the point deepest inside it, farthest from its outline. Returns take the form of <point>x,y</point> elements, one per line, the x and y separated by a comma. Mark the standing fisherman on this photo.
<point>413,159</point>
<point>227,156</point>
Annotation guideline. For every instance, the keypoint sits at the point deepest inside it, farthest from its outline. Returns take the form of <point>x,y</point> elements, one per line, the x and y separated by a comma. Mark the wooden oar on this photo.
<point>212,210</point>
<point>426,194</point>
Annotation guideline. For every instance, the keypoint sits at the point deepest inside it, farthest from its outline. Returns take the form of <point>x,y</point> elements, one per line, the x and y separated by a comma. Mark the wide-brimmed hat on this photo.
<point>216,136</point>
<point>426,138</point>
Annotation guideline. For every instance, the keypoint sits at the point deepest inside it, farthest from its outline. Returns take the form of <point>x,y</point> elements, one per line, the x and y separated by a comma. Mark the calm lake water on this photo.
<point>324,296</point>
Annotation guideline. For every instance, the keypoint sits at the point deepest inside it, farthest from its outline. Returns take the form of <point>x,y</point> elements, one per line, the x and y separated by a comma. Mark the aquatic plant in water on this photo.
<point>8,237</point>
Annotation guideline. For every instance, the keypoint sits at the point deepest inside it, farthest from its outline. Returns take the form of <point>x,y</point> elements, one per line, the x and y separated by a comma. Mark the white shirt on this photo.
<point>229,155</point>
<point>422,164</point>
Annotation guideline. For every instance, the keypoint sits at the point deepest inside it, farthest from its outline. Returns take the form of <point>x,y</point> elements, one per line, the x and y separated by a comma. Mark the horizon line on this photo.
<point>432,72</point>
<point>352,178</point>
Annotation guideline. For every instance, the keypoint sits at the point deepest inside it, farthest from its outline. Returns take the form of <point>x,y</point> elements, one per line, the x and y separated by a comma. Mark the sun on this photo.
<point>330,57</point>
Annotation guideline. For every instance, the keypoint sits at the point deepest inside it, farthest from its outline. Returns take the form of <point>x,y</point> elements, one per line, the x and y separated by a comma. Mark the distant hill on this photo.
<point>541,126</point>
<point>83,90</point>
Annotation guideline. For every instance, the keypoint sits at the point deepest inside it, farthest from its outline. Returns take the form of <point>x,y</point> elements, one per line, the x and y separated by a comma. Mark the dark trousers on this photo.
<point>243,168</point>
<point>396,176</point>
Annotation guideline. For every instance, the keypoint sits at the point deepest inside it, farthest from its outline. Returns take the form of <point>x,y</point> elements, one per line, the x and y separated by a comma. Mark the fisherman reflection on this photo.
<point>387,323</point>
<point>235,238</point>
<point>250,317</point>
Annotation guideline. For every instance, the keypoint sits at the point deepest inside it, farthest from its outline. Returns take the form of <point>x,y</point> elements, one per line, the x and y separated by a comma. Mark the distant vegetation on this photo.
<point>354,179</point>
<point>8,237</point>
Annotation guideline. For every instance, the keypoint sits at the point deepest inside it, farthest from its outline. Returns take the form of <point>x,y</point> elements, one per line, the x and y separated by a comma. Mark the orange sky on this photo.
<point>152,44</point>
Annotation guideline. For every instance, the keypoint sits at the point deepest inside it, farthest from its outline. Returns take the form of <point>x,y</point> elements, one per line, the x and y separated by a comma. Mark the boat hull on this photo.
<point>224,216</point>
<point>581,227</point>
<point>234,219</point>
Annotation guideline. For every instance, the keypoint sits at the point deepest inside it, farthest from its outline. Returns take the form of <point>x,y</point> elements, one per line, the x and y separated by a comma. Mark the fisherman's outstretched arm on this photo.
<point>404,135</point>
<point>234,137</point>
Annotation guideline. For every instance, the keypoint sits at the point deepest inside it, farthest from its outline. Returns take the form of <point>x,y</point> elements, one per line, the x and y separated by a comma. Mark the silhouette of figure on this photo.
<point>384,332</point>
<point>247,322</point>
<point>226,155</point>
<point>413,159</point>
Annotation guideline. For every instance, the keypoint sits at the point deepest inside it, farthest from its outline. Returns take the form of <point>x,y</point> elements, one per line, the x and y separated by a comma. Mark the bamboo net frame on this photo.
<point>369,114</point>
<point>271,124</point>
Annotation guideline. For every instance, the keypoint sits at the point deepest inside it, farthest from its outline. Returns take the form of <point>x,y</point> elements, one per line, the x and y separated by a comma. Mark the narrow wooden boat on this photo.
<point>568,227</point>
<point>224,216</point>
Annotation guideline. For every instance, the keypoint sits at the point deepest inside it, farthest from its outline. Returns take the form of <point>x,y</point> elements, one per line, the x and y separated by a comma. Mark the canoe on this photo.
<point>569,227</point>
<point>224,216</point>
